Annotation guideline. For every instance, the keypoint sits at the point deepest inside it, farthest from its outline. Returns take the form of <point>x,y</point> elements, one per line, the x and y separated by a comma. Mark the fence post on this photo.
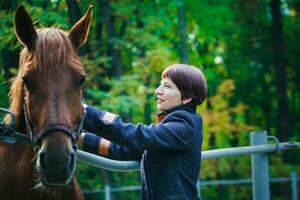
<point>260,168</point>
<point>294,185</point>
<point>199,188</point>
<point>107,192</point>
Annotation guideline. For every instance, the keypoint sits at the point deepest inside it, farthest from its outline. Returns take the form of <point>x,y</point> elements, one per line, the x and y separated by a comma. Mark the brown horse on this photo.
<point>46,98</point>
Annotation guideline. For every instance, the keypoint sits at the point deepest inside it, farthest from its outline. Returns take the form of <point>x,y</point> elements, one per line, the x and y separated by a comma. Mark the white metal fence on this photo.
<point>107,191</point>
<point>259,150</point>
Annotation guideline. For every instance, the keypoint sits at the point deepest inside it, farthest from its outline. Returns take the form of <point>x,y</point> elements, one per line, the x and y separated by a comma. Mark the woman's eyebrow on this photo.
<point>164,81</point>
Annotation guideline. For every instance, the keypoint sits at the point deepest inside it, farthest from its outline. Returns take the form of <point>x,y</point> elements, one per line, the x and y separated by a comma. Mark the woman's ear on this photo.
<point>186,100</point>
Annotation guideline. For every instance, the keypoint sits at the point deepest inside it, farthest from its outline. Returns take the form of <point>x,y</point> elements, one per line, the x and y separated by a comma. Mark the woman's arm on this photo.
<point>176,131</point>
<point>96,145</point>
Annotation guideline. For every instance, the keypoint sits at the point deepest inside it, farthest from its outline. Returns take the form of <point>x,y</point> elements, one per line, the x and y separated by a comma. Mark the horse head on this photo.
<point>50,89</point>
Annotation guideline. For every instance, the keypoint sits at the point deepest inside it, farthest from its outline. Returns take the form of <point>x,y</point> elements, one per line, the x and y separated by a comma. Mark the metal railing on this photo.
<point>259,151</point>
<point>108,190</point>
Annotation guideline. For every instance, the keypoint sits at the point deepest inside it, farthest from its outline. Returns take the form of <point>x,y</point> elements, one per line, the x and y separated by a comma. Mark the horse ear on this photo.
<point>24,28</point>
<point>80,31</point>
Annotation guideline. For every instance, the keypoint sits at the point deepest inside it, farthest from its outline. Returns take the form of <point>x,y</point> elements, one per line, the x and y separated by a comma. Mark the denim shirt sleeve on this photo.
<point>174,132</point>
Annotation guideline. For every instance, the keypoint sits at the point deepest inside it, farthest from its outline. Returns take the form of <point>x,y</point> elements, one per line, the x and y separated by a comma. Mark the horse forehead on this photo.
<point>55,82</point>
<point>55,54</point>
<point>54,75</point>
<point>52,34</point>
<point>52,44</point>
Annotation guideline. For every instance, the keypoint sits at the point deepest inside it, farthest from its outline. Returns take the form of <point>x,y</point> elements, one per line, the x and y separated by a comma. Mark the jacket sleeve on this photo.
<point>118,152</point>
<point>174,132</point>
<point>91,144</point>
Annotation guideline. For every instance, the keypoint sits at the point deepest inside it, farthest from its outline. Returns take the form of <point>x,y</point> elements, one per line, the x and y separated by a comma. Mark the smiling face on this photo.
<point>168,95</point>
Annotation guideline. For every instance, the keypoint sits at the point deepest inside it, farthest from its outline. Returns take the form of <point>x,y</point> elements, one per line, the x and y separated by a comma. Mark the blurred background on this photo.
<point>248,50</point>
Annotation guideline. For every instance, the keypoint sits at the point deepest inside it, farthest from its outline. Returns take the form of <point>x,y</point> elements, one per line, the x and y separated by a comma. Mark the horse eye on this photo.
<point>82,80</point>
<point>26,82</point>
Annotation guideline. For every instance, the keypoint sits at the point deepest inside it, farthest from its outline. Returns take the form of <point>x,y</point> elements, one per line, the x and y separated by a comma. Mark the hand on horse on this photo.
<point>80,139</point>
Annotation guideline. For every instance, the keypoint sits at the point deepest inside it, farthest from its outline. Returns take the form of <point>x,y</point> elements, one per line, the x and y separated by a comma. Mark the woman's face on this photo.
<point>168,95</point>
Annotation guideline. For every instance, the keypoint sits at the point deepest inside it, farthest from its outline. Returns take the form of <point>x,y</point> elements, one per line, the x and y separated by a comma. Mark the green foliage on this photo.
<point>224,123</point>
<point>7,37</point>
<point>224,126</point>
<point>3,92</point>
<point>230,41</point>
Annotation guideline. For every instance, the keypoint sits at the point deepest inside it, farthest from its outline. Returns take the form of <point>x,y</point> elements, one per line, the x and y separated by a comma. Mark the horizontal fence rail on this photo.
<point>259,150</point>
<point>104,163</point>
<point>202,183</point>
<point>293,179</point>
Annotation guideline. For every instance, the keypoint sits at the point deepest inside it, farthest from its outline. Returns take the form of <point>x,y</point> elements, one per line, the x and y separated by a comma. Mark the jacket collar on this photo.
<point>191,108</point>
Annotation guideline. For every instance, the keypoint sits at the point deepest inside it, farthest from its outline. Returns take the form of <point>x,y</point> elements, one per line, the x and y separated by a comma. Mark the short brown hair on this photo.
<point>189,80</point>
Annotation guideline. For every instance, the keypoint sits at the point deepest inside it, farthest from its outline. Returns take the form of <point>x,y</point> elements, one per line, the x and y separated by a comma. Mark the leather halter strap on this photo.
<point>74,135</point>
<point>57,127</point>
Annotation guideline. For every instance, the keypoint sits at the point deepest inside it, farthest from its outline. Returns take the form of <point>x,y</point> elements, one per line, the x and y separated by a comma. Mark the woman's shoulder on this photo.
<point>183,115</point>
<point>179,115</point>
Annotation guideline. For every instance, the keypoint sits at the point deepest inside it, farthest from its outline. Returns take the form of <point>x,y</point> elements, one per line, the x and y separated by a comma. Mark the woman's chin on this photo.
<point>159,107</point>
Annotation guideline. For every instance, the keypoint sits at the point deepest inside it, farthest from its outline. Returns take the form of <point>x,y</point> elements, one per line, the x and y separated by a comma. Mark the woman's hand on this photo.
<point>80,139</point>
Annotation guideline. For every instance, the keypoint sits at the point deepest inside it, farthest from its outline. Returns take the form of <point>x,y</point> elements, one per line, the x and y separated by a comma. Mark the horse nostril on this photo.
<point>72,160</point>
<point>42,158</point>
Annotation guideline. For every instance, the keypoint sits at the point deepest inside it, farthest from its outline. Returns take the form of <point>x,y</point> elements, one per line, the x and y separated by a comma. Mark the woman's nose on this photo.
<point>158,91</point>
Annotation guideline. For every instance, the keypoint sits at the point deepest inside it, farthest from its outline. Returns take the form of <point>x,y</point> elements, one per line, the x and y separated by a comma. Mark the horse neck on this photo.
<point>19,155</point>
<point>25,151</point>
<point>17,165</point>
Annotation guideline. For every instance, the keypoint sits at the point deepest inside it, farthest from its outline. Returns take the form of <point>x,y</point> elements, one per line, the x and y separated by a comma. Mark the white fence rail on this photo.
<point>108,190</point>
<point>258,150</point>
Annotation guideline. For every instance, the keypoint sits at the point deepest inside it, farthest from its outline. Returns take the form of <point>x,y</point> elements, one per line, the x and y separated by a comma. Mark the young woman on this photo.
<point>170,151</point>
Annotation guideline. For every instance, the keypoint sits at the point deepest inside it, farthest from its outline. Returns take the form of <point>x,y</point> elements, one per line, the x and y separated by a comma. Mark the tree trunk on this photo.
<point>147,106</point>
<point>182,32</point>
<point>113,52</point>
<point>8,5</point>
<point>45,4</point>
<point>280,72</point>
<point>73,11</point>
<point>140,25</point>
<point>9,61</point>
<point>99,29</point>
<point>74,14</point>
<point>57,4</point>
<point>9,58</point>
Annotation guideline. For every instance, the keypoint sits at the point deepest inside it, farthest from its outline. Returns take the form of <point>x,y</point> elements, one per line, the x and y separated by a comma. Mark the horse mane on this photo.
<point>52,50</point>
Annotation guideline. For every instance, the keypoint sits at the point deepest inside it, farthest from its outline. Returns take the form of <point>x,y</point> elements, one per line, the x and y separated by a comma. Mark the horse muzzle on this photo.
<point>56,161</point>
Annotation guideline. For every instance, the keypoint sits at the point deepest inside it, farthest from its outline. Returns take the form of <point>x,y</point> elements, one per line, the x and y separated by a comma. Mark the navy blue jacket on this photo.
<point>170,151</point>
